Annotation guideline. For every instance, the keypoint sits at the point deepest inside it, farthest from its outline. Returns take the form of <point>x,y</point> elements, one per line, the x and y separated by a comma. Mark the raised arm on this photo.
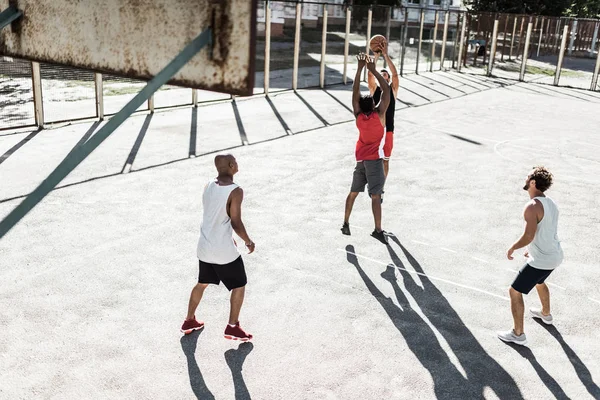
<point>371,79</point>
<point>235,214</point>
<point>362,61</point>
<point>385,91</point>
<point>392,67</point>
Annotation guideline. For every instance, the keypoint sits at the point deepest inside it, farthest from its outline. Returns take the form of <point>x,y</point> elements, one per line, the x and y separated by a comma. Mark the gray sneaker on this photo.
<point>509,336</point>
<point>547,319</point>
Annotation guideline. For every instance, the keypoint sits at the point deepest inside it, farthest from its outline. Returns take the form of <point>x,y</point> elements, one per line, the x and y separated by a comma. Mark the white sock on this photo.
<point>232,325</point>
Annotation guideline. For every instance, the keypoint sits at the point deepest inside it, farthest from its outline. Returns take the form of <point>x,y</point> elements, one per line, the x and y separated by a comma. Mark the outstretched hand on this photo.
<point>362,60</point>
<point>383,49</point>
<point>370,64</point>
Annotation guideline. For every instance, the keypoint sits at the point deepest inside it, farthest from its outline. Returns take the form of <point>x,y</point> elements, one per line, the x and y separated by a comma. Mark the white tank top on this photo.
<point>545,251</point>
<point>216,244</point>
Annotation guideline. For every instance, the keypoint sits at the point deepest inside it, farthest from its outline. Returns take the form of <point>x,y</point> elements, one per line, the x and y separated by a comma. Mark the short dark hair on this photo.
<point>542,177</point>
<point>366,104</point>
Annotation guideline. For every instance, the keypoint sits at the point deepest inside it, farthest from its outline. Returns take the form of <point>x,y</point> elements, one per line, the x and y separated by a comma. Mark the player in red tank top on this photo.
<point>370,121</point>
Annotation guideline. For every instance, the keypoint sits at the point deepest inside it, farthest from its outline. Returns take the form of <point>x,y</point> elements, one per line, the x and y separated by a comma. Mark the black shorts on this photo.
<point>233,275</point>
<point>529,277</point>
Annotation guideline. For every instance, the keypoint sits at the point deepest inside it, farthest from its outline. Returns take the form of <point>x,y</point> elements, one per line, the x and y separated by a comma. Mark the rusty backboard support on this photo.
<point>137,38</point>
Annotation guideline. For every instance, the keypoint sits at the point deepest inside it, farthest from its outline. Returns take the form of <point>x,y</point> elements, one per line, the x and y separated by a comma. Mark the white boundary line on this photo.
<point>448,250</point>
<point>428,276</point>
<point>419,242</point>
<point>480,259</point>
<point>594,300</point>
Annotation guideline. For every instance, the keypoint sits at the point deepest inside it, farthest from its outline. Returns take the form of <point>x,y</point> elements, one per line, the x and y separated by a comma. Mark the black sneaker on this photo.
<point>380,236</point>
<point>346,229</point>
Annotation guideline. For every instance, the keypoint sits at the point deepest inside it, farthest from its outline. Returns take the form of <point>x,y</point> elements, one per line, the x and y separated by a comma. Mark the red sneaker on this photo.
<point>191,325</point>
<point>237,333</point>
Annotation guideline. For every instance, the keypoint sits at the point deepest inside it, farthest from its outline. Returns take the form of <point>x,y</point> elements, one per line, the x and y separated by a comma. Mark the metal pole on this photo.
<point>461,46</point>
<point>455,42</point>
<point>387,30</point>
<point>38,101</point>
<point>99,96</point>
<point>347,43</point>
<point>195,97</point>
<point>493,49</point>
<point>526,52</point>
<point>520,36</point>
<point>433,43</point>
<point>444,38</point>
<point>421,21</point>
<point>267,68</point>
<point>151,104</point>
<point>369,22</point>
<point>596,70</point>
<point>297,46</point>
<point>404,37</point>
<point>323,47</point>
<point>561,54</point>
<point>512,38</point>
<point>540,39</point>
<point>504,37</point>
<point>594,39</point>
<point>573,35</point>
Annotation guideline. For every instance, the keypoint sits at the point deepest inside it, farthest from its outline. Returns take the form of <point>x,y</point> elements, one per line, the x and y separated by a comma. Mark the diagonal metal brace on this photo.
<point>76,157</point>
<point>9,15</point>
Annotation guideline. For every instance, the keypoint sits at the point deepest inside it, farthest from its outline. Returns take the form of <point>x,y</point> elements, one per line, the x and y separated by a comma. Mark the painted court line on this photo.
<point>448,250</point>
<point>555,285</point>
<point>429,276</point>
<point>419,242</point>
<point>594,300</point>
<point>480,259</point>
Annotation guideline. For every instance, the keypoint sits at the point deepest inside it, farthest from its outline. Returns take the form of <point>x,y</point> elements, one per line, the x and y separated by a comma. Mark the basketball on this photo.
<point>376,42</point>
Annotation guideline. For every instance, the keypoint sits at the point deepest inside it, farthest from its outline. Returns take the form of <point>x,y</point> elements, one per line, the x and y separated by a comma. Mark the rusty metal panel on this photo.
<point>137,38</point>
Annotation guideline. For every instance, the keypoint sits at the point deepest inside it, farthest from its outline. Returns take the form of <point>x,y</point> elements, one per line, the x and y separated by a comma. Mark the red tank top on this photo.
<point>371,137</point>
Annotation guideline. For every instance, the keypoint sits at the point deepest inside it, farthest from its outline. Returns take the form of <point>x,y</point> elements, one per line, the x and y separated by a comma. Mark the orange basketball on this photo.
<point>376,42</point>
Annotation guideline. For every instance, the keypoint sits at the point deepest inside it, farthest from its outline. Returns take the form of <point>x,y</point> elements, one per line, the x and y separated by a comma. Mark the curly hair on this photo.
<point>366,104</point>
<point>542,177</point>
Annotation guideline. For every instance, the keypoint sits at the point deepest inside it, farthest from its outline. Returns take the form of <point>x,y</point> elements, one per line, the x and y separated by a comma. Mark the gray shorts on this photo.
<point>368,172</point>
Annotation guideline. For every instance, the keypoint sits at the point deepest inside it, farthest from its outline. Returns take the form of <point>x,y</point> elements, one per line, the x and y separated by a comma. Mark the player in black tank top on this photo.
<point>389,114</point>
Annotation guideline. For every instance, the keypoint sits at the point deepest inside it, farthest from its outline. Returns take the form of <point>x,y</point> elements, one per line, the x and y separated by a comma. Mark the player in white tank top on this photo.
<point>543,254</point>
<point>219,259</point>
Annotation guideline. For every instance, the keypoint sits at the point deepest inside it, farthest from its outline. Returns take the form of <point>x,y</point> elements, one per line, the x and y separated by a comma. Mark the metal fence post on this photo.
<point>493,48</point>
<point>512,38</point>
<point>561,54</point>
<point>526,52</point>
<point>369,23</point>
<point>541,34</point>
<point>596,71</point>
<point>347,43</point>
<point>421,21</point>
<point>297,46</point>
<point>194,97</point>
<point>404,37</point>
<point>461,46</point>
<point>323,48</point>
<point>267,67</point>
<point>594,39</point>
<point>388,28</point>
<point>444,38</point>
<point>520,36</point>
<point>98,84</point>
<point>151,104</point>
<point>573,35</point>
<point>38,101</point>
<point>433,42</point>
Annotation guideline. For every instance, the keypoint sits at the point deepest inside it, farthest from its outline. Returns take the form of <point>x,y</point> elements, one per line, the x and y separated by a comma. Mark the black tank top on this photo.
<point>389,114</point>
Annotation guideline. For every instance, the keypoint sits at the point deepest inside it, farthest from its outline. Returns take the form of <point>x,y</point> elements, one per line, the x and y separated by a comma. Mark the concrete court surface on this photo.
<point>94,282</point>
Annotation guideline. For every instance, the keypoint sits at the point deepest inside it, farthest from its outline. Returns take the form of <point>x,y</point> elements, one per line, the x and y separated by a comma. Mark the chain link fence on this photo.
<point>302,44</point>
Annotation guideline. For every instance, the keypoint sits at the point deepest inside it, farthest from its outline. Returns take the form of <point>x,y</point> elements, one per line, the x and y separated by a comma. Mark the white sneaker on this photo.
<point>547,319</point>
<point>509,336</point>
